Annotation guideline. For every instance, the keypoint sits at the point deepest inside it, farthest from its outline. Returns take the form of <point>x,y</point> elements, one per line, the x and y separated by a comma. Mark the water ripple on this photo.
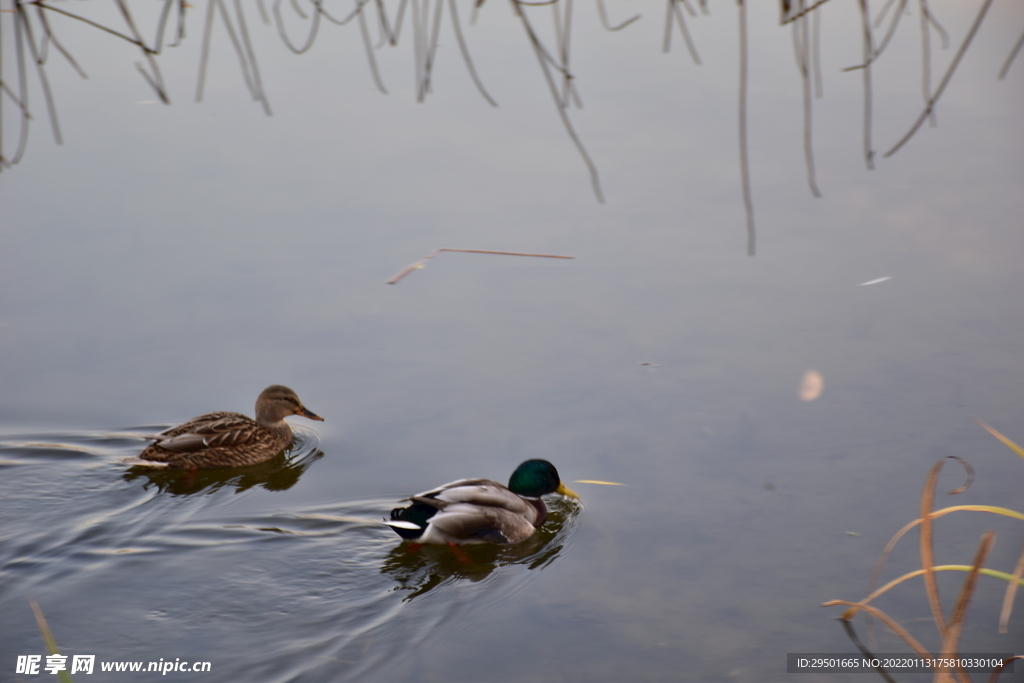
<point>293,593</point>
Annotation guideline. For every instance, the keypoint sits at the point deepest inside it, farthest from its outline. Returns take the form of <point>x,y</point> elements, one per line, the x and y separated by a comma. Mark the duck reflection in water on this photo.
<point>277,474</point>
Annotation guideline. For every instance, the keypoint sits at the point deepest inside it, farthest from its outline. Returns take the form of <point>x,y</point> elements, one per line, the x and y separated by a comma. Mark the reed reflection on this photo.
<point>35,28</point>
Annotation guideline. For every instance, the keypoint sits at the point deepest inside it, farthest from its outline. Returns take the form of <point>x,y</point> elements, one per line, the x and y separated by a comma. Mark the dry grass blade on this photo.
<point>999,669</point>
<point>422,262</point>
<point>885,619</point>
<point>44,628</point>
<point>1006,442</point>
<point>1011,593</point>
<point>848,627</point>
<point>1006,512</point>
<point>949,633</point>
<point>927,554</point>
<point>958,616</point>
<point>927,558</point>
<point>1012,579</point>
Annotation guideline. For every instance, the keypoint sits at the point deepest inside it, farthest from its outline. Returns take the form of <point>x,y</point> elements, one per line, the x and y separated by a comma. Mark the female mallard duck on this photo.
<point>481,510</point>
<point>231,439</point>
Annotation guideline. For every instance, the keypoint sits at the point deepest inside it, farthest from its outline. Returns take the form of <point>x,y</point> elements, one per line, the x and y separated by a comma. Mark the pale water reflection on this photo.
<point>168,261</point>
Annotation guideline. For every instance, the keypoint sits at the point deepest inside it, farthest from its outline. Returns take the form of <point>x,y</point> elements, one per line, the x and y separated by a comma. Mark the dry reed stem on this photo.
<point>925,543</point>
<point>950,634</point>
<point>1006,512</point>
<point>44,628</point>
<point>887,620</point>
<point>999,669</point>
<point>926,536</point>
<point>1015,580</point>
<point>422,262</point>
<point>1006,441</point>
<point>1011,593</point>
<point>958,615</point>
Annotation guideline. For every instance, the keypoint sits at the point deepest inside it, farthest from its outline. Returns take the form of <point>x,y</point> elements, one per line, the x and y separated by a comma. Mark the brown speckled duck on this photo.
<point>231,439</point>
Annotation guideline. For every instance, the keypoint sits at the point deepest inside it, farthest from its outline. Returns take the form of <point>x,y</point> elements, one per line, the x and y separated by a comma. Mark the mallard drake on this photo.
<point>231,439</point>
<point>481,510</point>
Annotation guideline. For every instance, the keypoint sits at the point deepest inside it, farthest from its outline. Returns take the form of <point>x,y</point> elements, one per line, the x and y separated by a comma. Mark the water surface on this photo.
<point>168,261</point>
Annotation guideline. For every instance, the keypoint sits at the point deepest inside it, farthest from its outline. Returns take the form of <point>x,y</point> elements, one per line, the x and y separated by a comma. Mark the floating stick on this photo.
<point>423,261</point>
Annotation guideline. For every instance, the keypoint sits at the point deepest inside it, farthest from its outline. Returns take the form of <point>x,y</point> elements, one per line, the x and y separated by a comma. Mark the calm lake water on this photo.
<point>167,261</point>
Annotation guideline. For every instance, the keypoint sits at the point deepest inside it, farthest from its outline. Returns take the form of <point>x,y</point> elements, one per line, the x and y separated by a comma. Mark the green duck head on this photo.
<point>534,478</point>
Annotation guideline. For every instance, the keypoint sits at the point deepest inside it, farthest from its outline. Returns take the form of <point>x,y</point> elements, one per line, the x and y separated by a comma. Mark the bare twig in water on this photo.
<point>243,48</point>
<point>675,13</point>
<point>313,28</point>
<point>250,70</point>
<point>364,30</point>
<point>799,12</point>
<point>945,79</point>
<point>869,154</point>
<point>604,18</point>
<point>802,48</point>
<point>153,77</point>
<point>563,36</point>
<point>926,58</point>
<point>51,37</point>
<point>422,262</point>
<point>43,80</point>
<point>465,54</point>
<point>1009,60</point>
<point>816,53</point>
<point>748,202</point>
<point>888,35</point>
<point>546,61</point>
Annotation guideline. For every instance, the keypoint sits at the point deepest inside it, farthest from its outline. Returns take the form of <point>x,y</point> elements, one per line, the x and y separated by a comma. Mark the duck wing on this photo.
<point>468,511</point>
<point>481,492</point>
<point>214,430</point>
<point>467,523</point>
<point>453,484</point>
